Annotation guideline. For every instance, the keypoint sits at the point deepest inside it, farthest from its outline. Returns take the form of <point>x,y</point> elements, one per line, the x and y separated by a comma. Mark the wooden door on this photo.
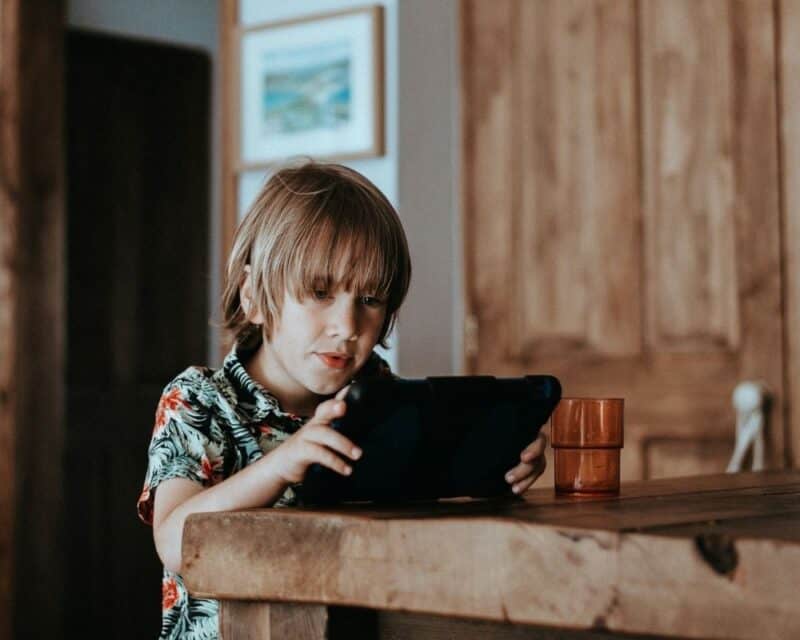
<point>137,244</point>
<point>622,214</point>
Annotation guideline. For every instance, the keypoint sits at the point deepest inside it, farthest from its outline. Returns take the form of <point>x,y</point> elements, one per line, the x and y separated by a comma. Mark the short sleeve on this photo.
<point>183,444</point>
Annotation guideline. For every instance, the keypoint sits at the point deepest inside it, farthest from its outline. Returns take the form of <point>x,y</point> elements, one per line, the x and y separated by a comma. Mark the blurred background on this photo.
<point>602,190</point>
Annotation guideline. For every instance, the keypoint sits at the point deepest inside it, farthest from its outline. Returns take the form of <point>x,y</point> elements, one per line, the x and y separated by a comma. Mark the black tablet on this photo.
<point>434,437</point>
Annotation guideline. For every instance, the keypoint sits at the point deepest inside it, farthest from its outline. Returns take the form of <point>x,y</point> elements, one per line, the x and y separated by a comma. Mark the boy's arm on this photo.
<point>259,484</point>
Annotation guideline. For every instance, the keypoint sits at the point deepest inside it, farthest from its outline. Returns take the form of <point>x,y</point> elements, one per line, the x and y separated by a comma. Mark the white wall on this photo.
<point>192,23</point>
<point>189,23</point>
<point>428,178</point>
<point>418,172</point>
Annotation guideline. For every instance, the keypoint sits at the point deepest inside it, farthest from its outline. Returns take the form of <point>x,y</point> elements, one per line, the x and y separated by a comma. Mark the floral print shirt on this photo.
<point>210,424</point>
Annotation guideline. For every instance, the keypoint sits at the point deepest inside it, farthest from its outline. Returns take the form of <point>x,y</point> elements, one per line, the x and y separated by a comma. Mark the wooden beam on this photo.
<point>229,92</point>
<point>32,317</point>
<point>243,620</point>
<point>788,78</point>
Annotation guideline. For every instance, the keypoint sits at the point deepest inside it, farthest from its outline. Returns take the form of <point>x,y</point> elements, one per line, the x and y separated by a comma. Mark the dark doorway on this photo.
<point>137,131</point>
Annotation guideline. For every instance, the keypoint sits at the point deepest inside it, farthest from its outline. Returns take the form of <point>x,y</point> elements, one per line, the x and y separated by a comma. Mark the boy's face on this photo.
<point>319,344</point>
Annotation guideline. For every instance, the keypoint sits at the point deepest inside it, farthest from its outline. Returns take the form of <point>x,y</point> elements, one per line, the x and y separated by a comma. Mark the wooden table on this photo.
<point>702,557</point>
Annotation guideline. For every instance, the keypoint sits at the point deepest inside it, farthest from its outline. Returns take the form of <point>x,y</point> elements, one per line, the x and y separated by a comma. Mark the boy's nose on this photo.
<point>343,322</point>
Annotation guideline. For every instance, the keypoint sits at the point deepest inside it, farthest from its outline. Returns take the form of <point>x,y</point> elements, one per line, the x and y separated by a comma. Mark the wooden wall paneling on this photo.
<point>690,172</point>
<point>229,82</point>
<point>673,456</point>
<point>556,96</point>
<point>685,208</point>
<point>489,163</point>
<point>551,179</point>
<point>621,211</point>
<point>31,318</point>
<point>758,240</point>
<point>9,219</point>
<point>789,109</point>
<point>711,189</point>
<point>577,260</point>
<point>138,249</point>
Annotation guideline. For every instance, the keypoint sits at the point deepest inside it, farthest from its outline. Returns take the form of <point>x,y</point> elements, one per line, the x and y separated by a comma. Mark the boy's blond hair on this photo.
<point>312,226</point>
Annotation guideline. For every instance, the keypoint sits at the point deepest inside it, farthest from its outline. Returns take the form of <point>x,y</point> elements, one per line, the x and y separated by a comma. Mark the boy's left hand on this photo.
<point>532,465</point>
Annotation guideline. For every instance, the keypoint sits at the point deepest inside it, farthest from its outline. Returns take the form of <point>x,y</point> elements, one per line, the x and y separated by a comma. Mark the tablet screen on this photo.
<point>435,437</point>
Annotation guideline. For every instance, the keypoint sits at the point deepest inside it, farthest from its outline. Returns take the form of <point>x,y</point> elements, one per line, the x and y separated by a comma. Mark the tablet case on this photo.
<point>434,438</point>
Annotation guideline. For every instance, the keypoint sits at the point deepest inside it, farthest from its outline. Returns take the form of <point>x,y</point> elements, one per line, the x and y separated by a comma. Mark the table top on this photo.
<point>713,556</point>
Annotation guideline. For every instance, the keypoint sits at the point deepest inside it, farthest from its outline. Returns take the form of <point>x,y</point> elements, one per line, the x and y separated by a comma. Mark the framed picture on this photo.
<point>312,87</point>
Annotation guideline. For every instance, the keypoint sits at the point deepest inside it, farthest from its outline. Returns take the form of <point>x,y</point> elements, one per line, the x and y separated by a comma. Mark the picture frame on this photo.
<point>311,86</point>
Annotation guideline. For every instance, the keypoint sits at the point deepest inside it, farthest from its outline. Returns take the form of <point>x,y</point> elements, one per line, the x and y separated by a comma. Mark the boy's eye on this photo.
<point>320,294</point>
<point>371,301</point>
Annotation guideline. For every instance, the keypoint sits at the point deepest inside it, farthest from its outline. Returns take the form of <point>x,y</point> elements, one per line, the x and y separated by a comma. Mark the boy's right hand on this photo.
<point>317,442</point>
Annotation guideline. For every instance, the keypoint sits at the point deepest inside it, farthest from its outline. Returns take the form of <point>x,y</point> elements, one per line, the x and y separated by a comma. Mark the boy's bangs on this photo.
<point>342,256</point>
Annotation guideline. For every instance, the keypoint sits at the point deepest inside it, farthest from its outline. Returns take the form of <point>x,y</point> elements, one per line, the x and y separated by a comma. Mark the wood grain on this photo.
<point>9,219</point>
<point>609,564</point>
<point>696,599</point>
<point>138,229</point>
<point>789,85</point>
<point>229,44</point>
<point>32,317</point>
<point>394,626</point>
<point>276,621</point>
<point>257,620</point>
<point>621,212</point>
<point>689,160</point>
<point>712,185</point>
<point>576,257</point>
<point>487,60</point>
<point>705,487</point>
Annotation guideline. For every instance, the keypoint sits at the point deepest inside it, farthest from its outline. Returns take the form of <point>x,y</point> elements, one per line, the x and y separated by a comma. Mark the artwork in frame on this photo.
<point>312,87</point>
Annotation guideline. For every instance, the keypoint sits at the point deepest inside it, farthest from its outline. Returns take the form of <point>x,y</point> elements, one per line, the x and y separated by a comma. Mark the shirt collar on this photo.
<point>251,398</point>
<point>258,404</point>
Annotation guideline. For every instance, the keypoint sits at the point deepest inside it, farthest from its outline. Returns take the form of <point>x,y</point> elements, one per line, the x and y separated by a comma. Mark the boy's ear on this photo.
<point>249,306</point>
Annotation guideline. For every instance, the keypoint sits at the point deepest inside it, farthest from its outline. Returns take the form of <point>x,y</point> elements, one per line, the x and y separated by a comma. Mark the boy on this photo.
<point>318,271</point>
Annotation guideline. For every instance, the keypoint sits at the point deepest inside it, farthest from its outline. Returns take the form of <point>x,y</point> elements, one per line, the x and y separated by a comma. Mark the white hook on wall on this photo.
<point>748,401</point>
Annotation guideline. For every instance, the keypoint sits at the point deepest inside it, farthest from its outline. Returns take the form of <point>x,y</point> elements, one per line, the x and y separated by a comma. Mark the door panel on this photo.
<point>621,211</point>
<point>574,270</point>
<point>689,138</point>
<point>138,158</point>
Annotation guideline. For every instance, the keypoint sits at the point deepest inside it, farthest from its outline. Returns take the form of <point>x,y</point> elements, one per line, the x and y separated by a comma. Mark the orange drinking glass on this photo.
<point>587,436</point>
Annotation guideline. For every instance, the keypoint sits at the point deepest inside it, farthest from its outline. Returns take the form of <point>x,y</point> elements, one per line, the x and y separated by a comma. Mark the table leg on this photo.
<point>246,620</point>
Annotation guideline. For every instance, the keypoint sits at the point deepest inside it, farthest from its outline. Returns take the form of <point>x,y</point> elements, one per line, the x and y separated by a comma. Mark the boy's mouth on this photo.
<point>335,360</point>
